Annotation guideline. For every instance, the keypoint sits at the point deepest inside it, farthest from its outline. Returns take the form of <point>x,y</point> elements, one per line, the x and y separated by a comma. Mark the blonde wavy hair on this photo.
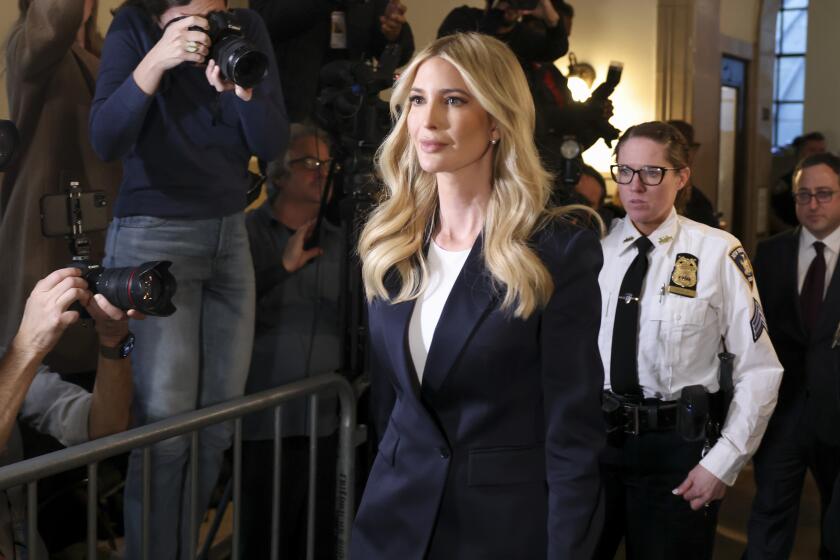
<point>393,238</point>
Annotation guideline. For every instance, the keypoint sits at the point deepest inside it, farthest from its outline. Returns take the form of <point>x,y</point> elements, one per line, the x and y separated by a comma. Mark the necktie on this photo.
<point>810,299</point>
<point>624,370</point>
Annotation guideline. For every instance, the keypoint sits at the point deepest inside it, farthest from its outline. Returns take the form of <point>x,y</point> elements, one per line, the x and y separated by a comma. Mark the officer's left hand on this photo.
<point>214,76</point>
<point>700,488</point>
<point>111,321</point>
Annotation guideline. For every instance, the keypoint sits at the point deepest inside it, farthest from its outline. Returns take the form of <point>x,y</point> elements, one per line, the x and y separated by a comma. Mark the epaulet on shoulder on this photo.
<point>709,232</point>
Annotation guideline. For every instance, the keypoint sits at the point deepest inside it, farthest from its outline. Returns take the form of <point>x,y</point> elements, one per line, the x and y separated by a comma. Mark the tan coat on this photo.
<point>50,82</point>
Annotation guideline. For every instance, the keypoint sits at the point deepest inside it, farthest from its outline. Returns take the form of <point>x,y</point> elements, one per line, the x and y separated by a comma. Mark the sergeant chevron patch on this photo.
<point>757,323</point>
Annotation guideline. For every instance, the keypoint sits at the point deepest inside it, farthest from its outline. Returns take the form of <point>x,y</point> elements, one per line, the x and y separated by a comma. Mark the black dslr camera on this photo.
<point>240,61</point>
<point>148,287</point>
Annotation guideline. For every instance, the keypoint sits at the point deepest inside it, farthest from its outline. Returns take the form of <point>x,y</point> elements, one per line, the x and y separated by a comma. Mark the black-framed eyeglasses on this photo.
<point>650,175</point>
<point>823,196</point>
<point>314,164</point>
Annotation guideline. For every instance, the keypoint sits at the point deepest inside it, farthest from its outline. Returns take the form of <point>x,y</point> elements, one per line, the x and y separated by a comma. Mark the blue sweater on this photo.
<point>185,149</point>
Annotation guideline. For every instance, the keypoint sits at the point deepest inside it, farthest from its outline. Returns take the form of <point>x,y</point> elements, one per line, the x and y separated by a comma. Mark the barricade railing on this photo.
<point>91,453</point>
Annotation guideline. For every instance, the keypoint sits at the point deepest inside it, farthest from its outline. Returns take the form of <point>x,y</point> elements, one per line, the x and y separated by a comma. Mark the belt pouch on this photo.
<point>693,413</point>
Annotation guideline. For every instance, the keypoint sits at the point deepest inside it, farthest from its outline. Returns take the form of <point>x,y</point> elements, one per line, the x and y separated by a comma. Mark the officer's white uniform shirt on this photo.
<point>680,336</point>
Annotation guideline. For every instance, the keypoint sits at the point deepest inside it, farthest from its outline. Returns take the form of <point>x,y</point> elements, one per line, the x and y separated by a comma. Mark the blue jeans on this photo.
<point>195,358</point>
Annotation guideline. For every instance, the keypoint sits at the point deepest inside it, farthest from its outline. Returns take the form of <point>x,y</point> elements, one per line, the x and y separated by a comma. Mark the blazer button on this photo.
<point>444,453</point>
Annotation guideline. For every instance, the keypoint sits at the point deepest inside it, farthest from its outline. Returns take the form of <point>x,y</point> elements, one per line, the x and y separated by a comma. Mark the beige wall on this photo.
<point>822,80</point>
<point>739,19</point>
<point>426,16</point>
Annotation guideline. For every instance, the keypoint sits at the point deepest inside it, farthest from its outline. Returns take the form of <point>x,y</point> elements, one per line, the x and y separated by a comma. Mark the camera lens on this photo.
<point>240,61</point>
<point>147,288</point>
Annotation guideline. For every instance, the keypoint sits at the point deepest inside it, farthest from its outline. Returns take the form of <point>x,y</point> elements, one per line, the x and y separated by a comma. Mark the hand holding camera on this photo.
<point>214,76</point>
<point>111,322</point>
<point>184,40</point>
<point>234,63</point>
<point>47,315</point>
<point>147,288</point>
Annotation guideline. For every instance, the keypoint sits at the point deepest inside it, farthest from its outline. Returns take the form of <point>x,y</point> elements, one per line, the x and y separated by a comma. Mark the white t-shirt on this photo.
<point>444,268</point>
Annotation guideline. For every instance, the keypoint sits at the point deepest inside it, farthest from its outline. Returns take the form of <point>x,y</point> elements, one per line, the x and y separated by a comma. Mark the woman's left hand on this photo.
<point>214,76</point>
<point>700,488</point>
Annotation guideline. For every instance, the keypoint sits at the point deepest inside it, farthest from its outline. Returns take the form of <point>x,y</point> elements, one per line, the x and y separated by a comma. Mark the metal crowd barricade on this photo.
<point>30,471</point>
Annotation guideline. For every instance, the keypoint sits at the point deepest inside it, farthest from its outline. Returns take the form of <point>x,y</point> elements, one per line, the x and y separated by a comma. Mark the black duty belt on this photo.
<point>637,417</point>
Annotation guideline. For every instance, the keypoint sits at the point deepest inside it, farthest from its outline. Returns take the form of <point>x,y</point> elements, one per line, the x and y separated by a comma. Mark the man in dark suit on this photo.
<point>799,284</point>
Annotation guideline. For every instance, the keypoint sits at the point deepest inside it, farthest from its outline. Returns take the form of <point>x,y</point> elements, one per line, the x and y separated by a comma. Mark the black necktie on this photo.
<point>624,370</point>
<point>810,299</point>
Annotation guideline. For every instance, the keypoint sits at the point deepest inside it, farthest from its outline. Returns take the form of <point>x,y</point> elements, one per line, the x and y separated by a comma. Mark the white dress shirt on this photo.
<point>807,254</point>
<point>444,267</point>
<point>681,336</point>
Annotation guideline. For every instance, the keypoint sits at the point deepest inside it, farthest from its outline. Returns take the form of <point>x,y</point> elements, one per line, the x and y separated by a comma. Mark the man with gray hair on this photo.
<point>297,336</point>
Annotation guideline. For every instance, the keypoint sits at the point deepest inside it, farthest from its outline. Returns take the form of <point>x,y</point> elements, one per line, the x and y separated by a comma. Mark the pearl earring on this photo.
<point>494,141</point>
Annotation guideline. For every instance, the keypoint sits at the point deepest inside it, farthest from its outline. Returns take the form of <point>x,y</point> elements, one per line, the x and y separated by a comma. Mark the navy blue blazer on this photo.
<point>496,454</point>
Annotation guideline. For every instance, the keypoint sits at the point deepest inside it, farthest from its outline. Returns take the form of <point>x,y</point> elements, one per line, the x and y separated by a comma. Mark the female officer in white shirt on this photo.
<point>675,294</point>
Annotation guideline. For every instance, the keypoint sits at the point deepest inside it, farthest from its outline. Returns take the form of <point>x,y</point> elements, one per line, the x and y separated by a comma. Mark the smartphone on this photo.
<point>59,213</point>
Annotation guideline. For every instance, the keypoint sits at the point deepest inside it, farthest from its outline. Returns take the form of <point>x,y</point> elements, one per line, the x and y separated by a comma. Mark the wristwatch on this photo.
<point>120,351</point>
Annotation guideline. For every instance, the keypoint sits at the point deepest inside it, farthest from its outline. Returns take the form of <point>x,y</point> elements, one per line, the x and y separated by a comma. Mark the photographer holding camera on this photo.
<point>297,336</point>
<point>536,30</point>
<point>185,132</point>
<point>31,393</point>
<point>538,36</point>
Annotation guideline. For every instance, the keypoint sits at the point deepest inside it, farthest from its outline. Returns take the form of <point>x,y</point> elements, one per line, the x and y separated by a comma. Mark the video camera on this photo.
<point>602,127</point>
<point>569,131</point>
<point>350,110</point>
<point>147,288</point>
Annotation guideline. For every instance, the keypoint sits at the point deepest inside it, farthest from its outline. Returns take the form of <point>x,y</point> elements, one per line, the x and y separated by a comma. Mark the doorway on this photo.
<point>732,165</point>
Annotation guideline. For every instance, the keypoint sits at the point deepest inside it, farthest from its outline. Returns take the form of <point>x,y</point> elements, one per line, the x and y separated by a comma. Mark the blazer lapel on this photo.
<point>829,317</point>
<point>396,317</point>
<point>468,302</point>
<point>792,288</point>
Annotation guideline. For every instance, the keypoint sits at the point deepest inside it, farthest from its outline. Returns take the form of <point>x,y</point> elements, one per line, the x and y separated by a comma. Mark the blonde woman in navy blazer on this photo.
<point>484,316</point>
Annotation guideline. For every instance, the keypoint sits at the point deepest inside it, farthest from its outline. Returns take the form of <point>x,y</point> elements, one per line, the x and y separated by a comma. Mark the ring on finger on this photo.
<point>191,47</point>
